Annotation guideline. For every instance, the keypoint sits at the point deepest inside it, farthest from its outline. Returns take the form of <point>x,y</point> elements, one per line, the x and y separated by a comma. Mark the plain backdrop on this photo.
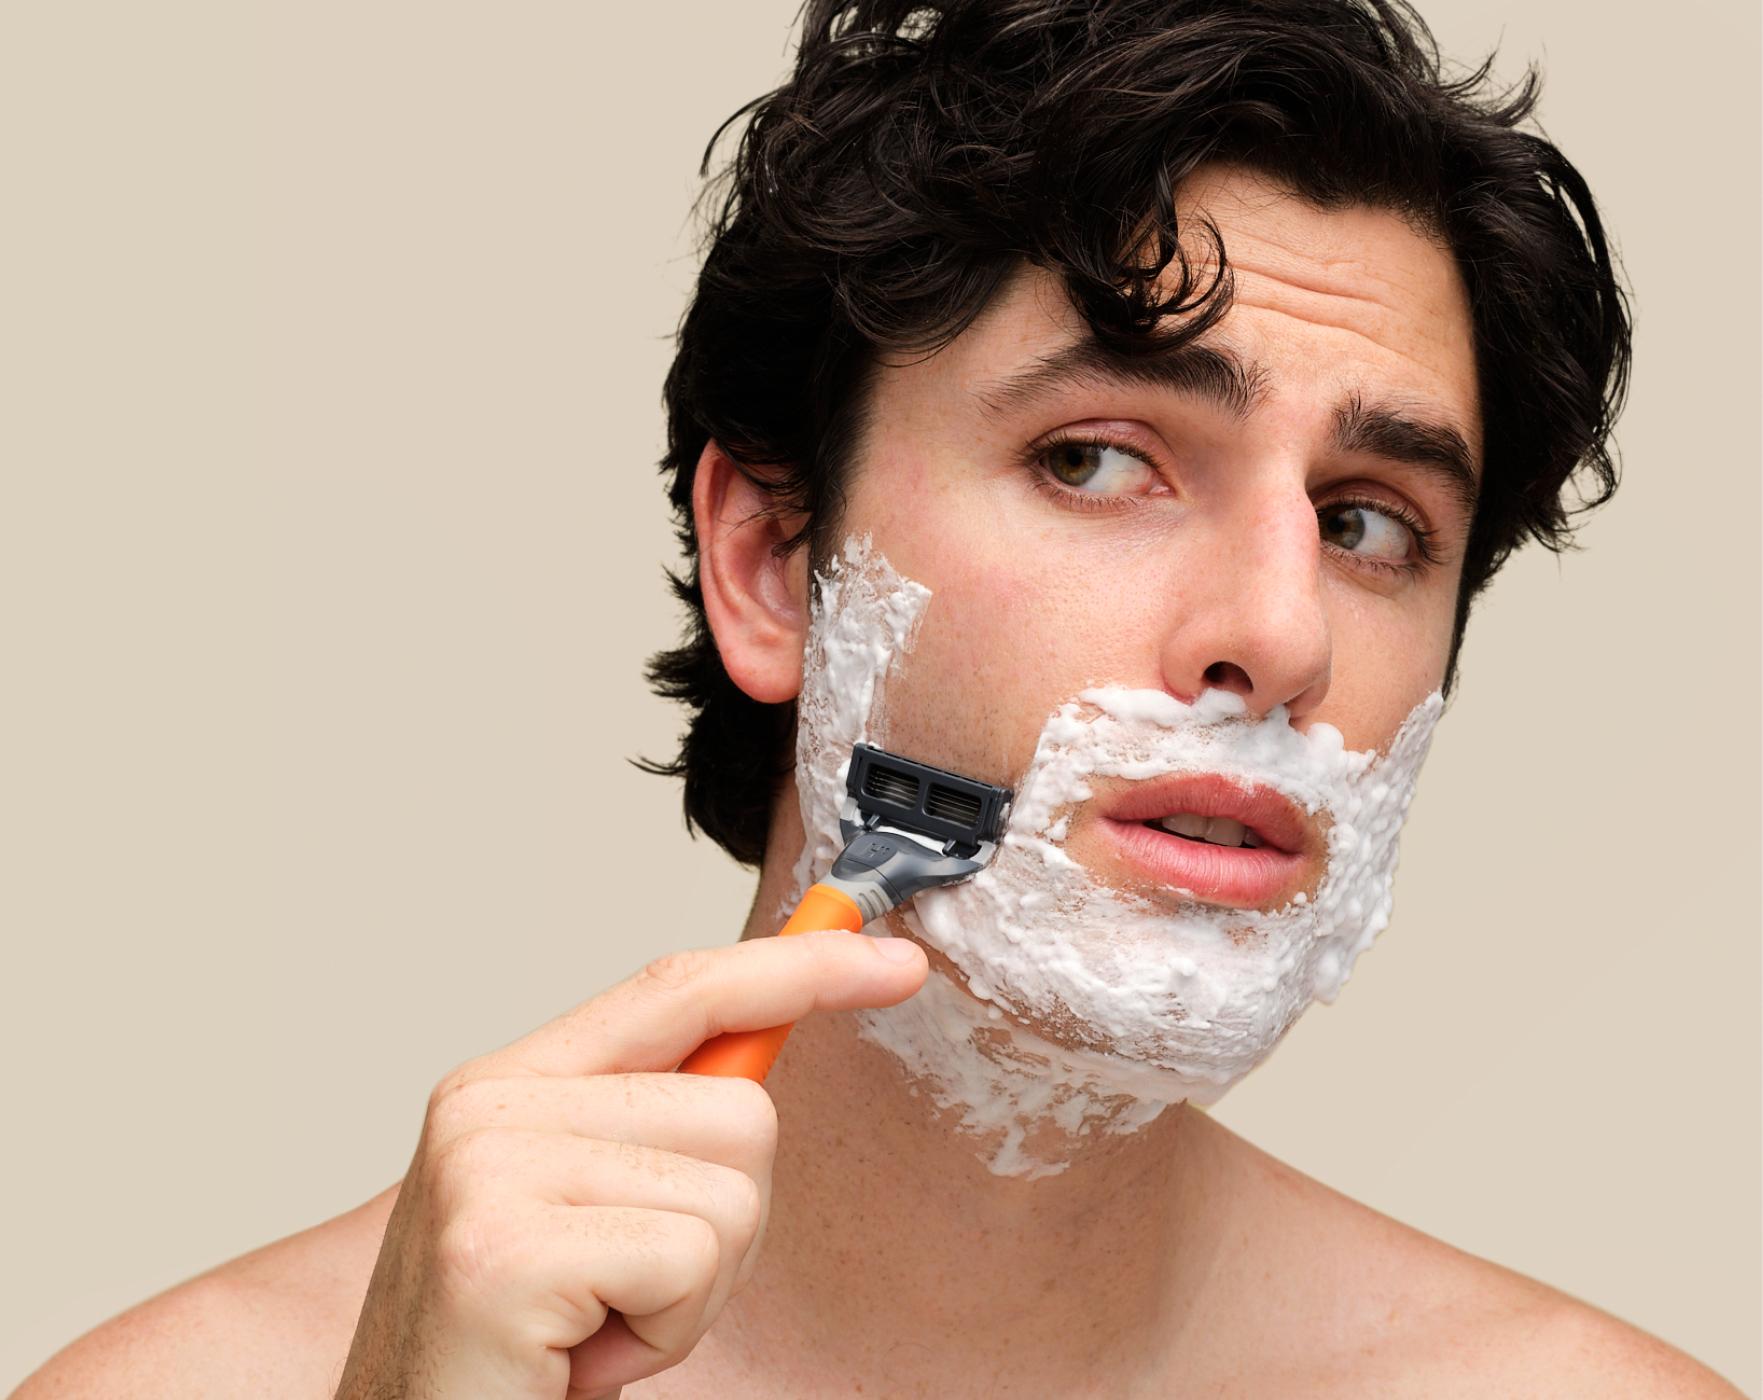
<point>333,336</point>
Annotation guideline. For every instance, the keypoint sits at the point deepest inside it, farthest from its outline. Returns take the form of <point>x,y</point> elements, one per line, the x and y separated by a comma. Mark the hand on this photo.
<point>575,1216</point>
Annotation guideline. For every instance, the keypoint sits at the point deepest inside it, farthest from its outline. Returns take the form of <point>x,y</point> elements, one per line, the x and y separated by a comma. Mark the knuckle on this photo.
<point>443,1092</point>
<point>474,1255</point>
<point>749,1261</point>
<point>753,1115</point>
<point>453,1083</point>
<point>672,971</point>
<point>698,1240</point>
<point>449,1113</point>
<point>746,1205</point>
<point>473,1104</point>
<point>458,1167</point>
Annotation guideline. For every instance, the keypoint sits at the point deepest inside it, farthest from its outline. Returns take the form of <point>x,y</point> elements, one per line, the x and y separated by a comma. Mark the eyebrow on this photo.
<point>1204,372</point>
<point>1217,376</point>
<point>1437,449</point>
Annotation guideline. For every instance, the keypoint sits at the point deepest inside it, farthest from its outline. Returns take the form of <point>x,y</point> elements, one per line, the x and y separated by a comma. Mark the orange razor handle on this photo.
<point>751,1054</point>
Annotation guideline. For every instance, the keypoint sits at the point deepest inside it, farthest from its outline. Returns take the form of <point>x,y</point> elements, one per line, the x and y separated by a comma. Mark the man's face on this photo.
<point>1299,543</point>
<point>1196,611</point>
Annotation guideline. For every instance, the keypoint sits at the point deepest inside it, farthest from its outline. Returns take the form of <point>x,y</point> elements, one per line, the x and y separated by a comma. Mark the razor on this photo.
<point>907,827</point>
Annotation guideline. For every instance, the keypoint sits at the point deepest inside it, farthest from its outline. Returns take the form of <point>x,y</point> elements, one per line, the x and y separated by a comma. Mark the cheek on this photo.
<point>1387,659</point>
<point>1014,628</point>
<point>991,658</point>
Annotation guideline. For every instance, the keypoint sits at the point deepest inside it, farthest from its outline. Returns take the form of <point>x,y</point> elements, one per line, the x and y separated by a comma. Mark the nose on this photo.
<point>1251,616</point>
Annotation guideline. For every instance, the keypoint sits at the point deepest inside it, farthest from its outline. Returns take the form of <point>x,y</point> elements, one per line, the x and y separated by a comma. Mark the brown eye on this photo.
<point>1364,530</point>
<point>1097,468</point>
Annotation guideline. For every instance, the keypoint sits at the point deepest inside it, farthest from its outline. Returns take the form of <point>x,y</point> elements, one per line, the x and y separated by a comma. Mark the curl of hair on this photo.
<point>920,153</point>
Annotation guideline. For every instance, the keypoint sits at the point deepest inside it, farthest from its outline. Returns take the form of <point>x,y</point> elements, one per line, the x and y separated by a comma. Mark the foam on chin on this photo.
<point>1150,1004</point>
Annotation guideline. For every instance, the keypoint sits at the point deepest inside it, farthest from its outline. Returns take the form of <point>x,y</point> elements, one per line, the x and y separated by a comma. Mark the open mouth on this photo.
<point>1214,838</point>
<point>1209,831</point>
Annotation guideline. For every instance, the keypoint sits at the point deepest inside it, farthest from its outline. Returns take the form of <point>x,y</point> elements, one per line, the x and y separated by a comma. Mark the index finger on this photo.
<point>653,1020</point>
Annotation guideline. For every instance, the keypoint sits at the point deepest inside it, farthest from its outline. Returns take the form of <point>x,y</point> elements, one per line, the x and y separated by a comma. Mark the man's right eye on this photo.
<point>1095,466</point>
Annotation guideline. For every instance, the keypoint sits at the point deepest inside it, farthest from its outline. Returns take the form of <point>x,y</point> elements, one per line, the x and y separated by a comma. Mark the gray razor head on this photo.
<point>908,826</point>
<point>929,802</point>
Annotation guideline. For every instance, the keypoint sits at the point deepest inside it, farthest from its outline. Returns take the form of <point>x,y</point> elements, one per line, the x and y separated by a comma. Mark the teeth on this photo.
<point>1217,831</point>
<point>1222,831</point>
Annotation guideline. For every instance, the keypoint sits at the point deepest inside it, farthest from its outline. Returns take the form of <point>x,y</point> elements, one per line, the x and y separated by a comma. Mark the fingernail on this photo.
<point>895,949</point>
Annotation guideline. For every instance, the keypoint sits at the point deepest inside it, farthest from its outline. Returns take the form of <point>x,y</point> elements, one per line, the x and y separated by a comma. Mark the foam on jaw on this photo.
<point>864,616</point>
<point>1021,1098</point>
<point>1138,1005</point>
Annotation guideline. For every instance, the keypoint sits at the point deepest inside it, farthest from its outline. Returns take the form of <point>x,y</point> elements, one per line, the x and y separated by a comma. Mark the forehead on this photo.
<point>1325,302</point>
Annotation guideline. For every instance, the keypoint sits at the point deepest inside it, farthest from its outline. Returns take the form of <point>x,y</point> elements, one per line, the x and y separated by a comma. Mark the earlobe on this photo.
<point>756,601</point>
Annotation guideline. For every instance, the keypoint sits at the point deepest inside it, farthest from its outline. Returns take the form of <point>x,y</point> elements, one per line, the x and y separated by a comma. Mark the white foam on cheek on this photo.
<point>1152,1003</point>
<point>864,616</point>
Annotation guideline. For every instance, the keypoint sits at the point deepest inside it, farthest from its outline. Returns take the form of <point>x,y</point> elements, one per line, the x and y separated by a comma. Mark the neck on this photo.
<point>909,1234</point>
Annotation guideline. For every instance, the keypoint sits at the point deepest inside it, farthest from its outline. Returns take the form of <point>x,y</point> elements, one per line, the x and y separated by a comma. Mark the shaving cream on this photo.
<point>1087,1008</point>
<point>863,616</point>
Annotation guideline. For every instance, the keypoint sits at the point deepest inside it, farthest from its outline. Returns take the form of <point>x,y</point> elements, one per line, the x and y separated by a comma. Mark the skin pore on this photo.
<point>1297,539</point>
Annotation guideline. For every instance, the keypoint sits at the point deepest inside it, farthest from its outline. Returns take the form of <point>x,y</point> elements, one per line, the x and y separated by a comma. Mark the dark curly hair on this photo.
<point>921,152</point>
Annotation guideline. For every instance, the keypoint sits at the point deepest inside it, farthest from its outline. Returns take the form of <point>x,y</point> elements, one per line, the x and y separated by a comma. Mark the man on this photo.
<point>1199,360</point>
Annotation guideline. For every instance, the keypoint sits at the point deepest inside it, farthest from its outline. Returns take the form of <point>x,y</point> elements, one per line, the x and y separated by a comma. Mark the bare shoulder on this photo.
<point>1476,1328</point>
<point>1561,1347</point>
<point>1479,1328</point>
<point>1401,1312</point>
<point>274,1322</point>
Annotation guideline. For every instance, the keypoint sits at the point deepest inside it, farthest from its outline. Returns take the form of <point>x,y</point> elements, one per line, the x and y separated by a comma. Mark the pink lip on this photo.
<point>1244,877</point>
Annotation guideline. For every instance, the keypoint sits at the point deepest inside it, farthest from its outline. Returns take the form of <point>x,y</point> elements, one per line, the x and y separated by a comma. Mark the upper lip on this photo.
<point>1273,817</point>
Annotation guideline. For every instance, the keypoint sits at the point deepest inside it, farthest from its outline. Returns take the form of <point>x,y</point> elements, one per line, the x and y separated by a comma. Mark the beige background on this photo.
<point>333,340</point>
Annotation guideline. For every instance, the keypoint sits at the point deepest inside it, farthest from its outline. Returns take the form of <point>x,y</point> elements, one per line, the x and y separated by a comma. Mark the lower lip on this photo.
<point>1247,877</point>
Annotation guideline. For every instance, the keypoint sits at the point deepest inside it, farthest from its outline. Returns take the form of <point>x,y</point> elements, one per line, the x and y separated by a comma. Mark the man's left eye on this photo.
<point>1366,530</point>
<point>1097,468</point>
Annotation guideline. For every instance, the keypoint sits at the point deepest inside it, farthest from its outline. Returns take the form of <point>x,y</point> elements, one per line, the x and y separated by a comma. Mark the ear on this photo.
<point>756,602</point>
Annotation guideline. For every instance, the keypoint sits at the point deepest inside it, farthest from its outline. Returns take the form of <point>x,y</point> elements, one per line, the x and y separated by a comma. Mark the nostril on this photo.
<point>1227,675</point>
